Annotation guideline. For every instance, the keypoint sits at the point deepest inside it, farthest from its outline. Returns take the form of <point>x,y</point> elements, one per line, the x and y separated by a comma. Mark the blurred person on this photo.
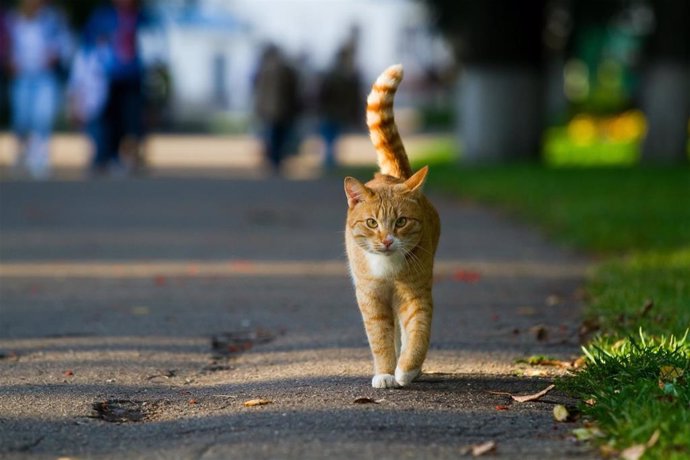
<point>122,129</point>
<point>340,102</point>
<point>38,43</point>
<point>87,93</point>
<point>276,103</point>
<point>4,53</point>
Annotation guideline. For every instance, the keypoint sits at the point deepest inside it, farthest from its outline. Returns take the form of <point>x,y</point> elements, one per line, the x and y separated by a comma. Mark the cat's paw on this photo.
<point>384,381</point>
<point>405,377</point>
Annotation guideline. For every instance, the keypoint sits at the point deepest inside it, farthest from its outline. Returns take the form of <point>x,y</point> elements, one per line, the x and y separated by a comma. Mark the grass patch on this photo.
<point>634,388</point>
<point>650,290</point>
<point>604,210</point>
<point>638,222</point>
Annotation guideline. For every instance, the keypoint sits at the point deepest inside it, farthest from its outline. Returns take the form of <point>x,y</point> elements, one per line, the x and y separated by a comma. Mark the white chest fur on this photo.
<point>385,266</point>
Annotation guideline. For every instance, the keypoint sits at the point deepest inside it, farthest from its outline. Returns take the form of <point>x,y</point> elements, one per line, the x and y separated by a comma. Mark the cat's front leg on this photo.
<point>379,325</point>
<point>415,321</point>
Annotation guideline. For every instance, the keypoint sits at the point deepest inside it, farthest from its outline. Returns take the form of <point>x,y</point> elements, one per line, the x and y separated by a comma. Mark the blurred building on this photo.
<point>211,47</point>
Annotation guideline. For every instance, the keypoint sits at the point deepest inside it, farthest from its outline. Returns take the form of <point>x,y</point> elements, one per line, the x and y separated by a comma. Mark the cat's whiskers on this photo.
<point>413,260</point>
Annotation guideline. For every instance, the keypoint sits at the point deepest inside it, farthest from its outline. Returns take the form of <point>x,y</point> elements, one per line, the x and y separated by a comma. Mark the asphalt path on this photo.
<point>137,316</point>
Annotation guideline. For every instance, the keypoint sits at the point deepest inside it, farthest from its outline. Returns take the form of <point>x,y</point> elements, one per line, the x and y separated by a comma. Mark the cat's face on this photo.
<point>386,219</point>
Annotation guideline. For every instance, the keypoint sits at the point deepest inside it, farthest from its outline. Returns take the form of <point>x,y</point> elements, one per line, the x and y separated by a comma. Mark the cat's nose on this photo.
<point>387,241</point>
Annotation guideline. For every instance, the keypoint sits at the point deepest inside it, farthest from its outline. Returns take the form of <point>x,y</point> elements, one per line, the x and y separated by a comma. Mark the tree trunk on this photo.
<point>666,102</point>
<point>500,113</point>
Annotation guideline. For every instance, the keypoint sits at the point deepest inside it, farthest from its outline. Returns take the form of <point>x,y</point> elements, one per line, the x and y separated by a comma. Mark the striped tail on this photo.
<point>392,158</point>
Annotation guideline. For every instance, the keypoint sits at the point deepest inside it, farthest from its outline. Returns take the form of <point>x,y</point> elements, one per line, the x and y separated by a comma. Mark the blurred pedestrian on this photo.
<point>87,93</point>
<point>340,102</point>
<point>276,103</point>
<point>38,45</point>
<point>4,64</point>
<point>117,26</point>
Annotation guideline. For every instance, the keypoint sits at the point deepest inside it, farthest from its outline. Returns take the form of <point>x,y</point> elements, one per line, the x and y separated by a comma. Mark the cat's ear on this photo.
<point>355,191</point>
<point>417,179</point>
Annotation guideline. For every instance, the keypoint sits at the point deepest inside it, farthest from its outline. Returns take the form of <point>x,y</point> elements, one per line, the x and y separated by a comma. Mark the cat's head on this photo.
<point>385,216</point>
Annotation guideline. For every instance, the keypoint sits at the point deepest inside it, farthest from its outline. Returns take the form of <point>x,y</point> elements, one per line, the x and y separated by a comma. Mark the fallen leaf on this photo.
<point>466,276</point>
<point>668,373</point>
<point>533,397</point>
<point>257,402</point>
<point>192,401</point>
<point>590,401</point>
<point>68,373</point>
<point>579,362</point>
<point>541,360</point>
<point>364,400</point>
<point>608,451</point>
<point>585,434</point>
<point>653,438</point>
<point>160,280</point>
<point>500,407</point>
<point>535,372</point>
<point>560,413</point>
<point>483,448</point>
<point>633,452</point>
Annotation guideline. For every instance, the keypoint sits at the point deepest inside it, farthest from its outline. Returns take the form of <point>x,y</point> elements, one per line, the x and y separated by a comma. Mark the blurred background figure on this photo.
<point>38,45</point>
<point>4,53</point>
<point>340,102</point>
<point>122,128</point>
<point>563,82</point>
<point>87,94</point>
<point>276,103</point>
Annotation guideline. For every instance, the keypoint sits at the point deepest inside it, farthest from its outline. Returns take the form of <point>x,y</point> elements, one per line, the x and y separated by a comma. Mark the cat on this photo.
<point>391,236</point>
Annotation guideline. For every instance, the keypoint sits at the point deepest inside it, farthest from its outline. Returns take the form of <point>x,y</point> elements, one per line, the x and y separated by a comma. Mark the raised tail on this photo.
<point>392,158</point>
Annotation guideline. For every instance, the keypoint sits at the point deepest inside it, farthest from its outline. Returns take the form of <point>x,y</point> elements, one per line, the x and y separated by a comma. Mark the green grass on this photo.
<point>637,223</point>
<point>604,210</point>
<point>621,288</point>
<point>635,387</point>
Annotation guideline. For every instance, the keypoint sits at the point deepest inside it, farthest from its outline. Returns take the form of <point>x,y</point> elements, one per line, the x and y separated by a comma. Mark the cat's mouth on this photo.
<point>386,251</point>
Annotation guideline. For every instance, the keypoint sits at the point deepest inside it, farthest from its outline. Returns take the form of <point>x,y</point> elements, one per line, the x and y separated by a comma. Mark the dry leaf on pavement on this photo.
<point>483,448</point>
<point>256,402</point>
<point>364,400</point>
<point>534,396</point>
<point>560,413</point>
<point>524,398</point>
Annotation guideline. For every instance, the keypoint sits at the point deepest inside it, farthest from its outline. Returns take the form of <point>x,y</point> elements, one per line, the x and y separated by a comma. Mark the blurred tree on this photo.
<point>666,90</point>
<point>500,104</point>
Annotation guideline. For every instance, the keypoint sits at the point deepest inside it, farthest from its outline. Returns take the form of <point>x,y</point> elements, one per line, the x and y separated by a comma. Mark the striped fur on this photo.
<point>391,236</point>
<point>392,158</point>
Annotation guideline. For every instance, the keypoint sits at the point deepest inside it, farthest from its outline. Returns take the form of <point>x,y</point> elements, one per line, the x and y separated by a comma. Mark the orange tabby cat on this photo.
<point>391,237</point>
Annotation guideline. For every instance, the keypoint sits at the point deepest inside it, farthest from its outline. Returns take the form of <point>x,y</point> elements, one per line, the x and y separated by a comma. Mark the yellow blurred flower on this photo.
<point>582,129</point>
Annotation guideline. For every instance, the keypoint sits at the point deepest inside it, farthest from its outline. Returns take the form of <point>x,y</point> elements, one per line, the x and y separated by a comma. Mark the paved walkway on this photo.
<point>137,316</point>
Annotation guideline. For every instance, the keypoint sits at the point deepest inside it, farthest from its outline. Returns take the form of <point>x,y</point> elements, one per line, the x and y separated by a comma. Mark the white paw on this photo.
<point>384,381</point>
<point>404,378</point>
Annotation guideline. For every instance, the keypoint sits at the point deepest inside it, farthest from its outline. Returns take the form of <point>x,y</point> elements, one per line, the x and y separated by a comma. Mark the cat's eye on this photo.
<point>371,223</point>
<point>401,222</point>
